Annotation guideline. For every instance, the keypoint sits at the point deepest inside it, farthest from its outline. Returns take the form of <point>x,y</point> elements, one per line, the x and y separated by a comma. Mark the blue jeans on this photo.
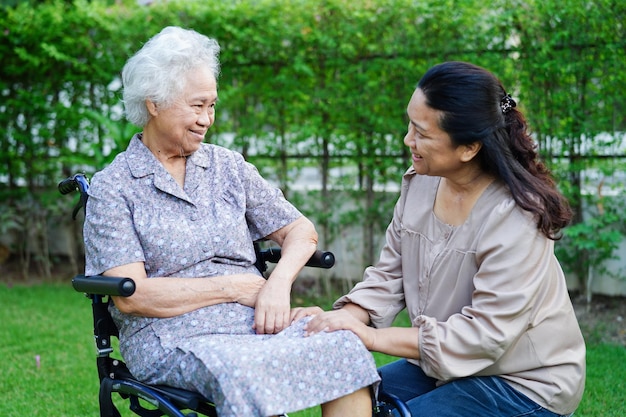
<point>485,396</point>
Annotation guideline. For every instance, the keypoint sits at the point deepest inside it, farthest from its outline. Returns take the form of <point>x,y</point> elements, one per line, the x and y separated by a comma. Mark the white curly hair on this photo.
<point>158,70</point>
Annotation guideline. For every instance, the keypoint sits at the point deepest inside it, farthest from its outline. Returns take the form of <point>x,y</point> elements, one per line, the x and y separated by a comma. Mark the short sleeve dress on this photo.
<point>136,212</point>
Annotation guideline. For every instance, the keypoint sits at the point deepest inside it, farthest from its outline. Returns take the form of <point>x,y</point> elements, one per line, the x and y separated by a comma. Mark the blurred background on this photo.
<point>314,93</point>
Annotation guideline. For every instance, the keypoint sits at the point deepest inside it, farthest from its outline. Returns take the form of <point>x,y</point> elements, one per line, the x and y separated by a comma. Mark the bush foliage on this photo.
<point>318,83</point>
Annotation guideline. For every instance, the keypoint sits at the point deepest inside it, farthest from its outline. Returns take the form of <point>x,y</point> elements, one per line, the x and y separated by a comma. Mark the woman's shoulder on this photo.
<point>217,157</point>
<point>121,163</point>
<point>117,170</point>
<point>498,201</point>
<point>213,150</point>
<point>496,211</point>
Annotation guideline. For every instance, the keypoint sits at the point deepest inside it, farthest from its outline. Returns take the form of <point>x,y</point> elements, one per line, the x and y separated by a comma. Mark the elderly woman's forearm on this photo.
<point>169,297</point>
<point>298,242</point>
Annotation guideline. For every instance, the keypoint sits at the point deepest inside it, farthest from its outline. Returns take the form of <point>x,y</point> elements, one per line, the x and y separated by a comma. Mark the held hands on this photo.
<point>329,321</point>
<point>271,300</point>
<point>300,312</point>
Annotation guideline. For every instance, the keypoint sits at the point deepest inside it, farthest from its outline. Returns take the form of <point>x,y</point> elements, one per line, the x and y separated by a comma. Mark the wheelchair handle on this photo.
<point>322,259</point>
<point>99,284</point>
<point>75,182</point>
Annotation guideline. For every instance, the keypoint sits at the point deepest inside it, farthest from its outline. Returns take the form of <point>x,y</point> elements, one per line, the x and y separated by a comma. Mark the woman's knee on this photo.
<point>405,380</point>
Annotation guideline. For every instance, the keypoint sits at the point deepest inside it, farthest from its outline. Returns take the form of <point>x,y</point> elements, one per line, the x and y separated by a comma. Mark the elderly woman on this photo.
<point>179,217</point>
<point>470,255</point>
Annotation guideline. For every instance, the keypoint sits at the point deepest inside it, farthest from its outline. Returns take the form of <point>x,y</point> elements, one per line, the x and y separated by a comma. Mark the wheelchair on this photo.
<point>158,400</point>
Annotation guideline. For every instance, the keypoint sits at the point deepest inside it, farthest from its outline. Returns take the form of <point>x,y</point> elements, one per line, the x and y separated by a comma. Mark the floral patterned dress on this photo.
<point>137,213</point>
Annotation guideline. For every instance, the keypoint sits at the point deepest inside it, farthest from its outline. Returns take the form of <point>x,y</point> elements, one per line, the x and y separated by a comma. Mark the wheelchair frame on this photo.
<point>113,373</point>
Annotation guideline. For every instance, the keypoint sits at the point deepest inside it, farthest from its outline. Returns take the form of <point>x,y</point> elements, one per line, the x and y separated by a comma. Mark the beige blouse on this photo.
<point>488,296</point>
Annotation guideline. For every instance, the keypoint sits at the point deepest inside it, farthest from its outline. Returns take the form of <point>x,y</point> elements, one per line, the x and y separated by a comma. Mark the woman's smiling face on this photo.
<point>184,123</point>
<point>432,150</point>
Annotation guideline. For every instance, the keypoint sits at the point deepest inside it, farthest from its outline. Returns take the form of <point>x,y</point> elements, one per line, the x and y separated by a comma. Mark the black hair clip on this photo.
<point>507,103</point>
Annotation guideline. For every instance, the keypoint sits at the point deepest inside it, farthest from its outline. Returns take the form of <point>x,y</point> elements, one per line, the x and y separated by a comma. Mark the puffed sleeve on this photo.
<point>515,262</point>
<point>109,233</point>
<point>381,292</point>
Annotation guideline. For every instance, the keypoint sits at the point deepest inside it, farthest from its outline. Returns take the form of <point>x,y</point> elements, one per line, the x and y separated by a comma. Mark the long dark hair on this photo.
<point>476,108</point>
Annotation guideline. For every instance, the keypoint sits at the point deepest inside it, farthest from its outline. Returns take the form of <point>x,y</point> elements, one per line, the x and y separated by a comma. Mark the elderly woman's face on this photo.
<point>185,123</point>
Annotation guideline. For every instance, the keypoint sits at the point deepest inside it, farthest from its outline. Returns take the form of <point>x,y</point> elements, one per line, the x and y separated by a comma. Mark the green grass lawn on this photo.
<point>48,359</point>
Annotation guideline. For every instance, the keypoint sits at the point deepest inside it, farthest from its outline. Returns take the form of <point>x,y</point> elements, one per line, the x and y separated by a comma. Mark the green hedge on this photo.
<point>304,82</point>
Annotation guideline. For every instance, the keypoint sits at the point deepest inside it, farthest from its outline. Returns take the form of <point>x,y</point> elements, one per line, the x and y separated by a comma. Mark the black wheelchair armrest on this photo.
<point>99,284</point>
<point>320,259</point>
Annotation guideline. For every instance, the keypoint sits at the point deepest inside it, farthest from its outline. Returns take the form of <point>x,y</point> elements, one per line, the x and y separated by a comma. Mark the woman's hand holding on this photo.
<point>247,288</point>
<point>330,321</point>
<point>272,307</point>
<point>300,312</point>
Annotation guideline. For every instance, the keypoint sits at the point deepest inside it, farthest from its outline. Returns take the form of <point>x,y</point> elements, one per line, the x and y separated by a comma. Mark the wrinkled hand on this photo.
<point>247,288</point>
<point>330,321</point>
<point>300,312</point>
<point>272,309</point>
